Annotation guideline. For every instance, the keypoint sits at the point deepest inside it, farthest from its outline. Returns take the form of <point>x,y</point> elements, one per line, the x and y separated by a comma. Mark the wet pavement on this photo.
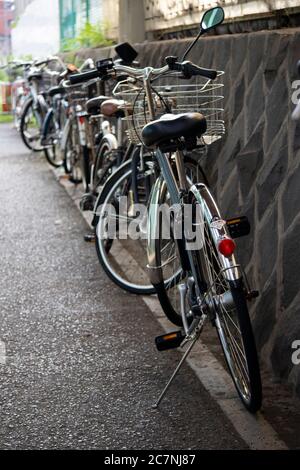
<point>81,370</point>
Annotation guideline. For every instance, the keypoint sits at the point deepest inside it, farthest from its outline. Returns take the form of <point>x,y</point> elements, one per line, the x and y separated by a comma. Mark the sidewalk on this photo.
<point>81,366</point>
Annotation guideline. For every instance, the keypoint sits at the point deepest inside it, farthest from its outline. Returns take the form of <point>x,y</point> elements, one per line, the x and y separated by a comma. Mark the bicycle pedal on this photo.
<point>89,238</point>
<point>87,202</point>
<point>252,294</point>
<point>238,226</point>
<point>169,341</point>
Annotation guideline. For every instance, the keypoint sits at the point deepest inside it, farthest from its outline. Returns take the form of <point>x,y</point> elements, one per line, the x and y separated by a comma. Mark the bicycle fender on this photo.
<point>154,271</point>
<point>65,134</point>
<point>232,271</point>
<point>111,140</point>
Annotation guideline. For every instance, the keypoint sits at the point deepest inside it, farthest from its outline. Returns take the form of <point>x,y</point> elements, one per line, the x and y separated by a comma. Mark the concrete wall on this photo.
<point>255,171</point>
<point>110,10</point>
<point>131,21</point>
<point>179,14</point>
<point>153,19</point>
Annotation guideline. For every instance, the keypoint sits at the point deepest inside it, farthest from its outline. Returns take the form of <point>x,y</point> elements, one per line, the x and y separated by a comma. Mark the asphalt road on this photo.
<point>81,370</point>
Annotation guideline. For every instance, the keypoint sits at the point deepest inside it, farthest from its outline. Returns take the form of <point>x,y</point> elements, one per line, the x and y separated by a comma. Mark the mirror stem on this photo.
<point>191,46</point>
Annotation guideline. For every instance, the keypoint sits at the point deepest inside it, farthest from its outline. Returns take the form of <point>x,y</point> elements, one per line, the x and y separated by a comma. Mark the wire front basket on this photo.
<point>175,96</point>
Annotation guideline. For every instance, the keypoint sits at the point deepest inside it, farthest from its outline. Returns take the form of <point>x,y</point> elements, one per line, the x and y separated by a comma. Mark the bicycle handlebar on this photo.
<point>46,61</point>
<point>187,69</point>
<point>84,76</point>
<point>16,65</point>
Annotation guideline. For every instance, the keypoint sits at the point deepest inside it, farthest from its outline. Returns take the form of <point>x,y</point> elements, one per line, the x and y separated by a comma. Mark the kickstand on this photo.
<point>187,352</point>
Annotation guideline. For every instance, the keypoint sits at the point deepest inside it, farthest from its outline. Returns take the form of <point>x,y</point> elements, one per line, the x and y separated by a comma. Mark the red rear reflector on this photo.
<point>226,247</point>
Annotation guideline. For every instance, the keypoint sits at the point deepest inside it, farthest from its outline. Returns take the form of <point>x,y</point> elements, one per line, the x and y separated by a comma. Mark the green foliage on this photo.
<point>6,118</point>
<point>89,36</point>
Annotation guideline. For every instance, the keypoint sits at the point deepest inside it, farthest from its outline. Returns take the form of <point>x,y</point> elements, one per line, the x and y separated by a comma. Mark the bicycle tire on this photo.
<point>72,166</point>
<point>162,290</point>
<point>254,401</point>
<point>47,150</point>
<point>26,110</point>
<point>103,166</point>
<point>231,319</point>
<point>123,172</point>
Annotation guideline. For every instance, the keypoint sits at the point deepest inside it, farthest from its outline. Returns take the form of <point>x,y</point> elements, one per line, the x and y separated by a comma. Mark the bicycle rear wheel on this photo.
<point>229,311</point>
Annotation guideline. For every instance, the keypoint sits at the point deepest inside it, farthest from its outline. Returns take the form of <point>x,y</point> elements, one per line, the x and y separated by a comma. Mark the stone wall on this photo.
<point>163,15</point>
<point>255,171</point>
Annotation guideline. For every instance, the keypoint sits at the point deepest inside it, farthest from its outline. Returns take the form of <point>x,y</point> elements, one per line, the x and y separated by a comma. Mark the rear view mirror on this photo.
<point>212,18</point>
<point>126,52</point>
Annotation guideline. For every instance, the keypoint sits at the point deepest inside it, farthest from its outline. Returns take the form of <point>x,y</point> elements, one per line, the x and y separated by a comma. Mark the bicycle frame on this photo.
<point>175,188</point>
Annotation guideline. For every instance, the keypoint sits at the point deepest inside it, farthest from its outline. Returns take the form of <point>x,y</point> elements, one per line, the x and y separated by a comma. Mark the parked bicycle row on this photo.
<point>134,138</point>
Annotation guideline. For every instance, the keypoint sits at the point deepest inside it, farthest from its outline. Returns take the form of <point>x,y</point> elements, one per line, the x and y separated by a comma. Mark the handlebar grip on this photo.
<point>192,70</point>
<point>83,77</point>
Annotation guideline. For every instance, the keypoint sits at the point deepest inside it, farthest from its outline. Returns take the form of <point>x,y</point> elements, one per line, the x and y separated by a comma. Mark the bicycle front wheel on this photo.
<point>53,151</point>
<point>30,126</point>
<point>72,160</point>
<point>105,163</point>
<point>167,253</point>
<point>123,258</point>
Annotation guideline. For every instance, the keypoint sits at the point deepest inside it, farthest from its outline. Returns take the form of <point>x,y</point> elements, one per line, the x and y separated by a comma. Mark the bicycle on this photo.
<point>39,78</point>
<point>58,126</point>
<point>211,283</point>
<point>19,88</point>
<point>134,176</point>
<point>102,126</point>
